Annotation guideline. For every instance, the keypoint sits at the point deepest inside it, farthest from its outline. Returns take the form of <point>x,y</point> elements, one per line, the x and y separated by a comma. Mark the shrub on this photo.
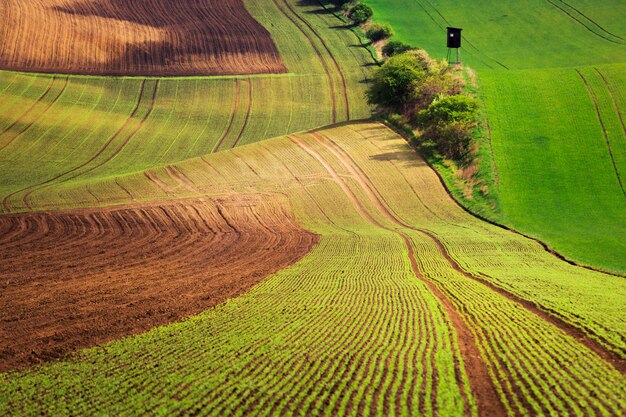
<point>450,122</point>
<point>377,32</point>
<point>360,13</point>
<point>393,83</point>
<point>457,108</point>
<point>396,47</point>
<point>453,139</point>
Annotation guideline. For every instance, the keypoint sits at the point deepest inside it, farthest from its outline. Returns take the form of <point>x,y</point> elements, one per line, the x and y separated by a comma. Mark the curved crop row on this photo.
<point>153,37</point>
<point>378,319</point>
<point>196,245</point>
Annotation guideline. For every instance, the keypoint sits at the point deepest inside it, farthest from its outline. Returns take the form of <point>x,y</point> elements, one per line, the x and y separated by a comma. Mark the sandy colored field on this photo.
<point>75,279</point>
<point>150,37</point>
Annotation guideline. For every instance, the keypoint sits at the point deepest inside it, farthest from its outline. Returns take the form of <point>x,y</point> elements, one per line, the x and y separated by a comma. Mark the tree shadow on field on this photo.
<point>406,158</point>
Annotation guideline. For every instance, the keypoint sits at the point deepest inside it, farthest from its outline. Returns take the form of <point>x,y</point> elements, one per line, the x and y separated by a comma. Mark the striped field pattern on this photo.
<point>406,306</point>
<point>55,130</point>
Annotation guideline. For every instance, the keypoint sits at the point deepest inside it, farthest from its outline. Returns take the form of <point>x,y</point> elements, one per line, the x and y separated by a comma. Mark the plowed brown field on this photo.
<point>75,279</point>
<point>148,37</point>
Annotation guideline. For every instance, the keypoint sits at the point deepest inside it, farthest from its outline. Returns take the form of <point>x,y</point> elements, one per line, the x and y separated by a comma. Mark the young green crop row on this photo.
<point>58,129</point>
<point>367,322</point>
<point>585,299</point>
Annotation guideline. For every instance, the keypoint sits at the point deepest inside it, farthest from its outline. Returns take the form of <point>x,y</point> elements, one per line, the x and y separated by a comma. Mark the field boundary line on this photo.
<point>594,100</point>
<point>544,245</point>
<point>39,116</point>
<point>331,83</point>
<point>547,314</point>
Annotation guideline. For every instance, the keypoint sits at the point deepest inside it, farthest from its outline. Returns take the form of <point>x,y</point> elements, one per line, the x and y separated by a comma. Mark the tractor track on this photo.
<point>548,315</point>
<point>232,118</point>
<point>25,198</point>
<point>247,117</point>
<point>594,100</point>
<point>580,22</point>
<point>39,116</point>
<point>331,84</point>
<point>480,382</point>
<point>330,55</point>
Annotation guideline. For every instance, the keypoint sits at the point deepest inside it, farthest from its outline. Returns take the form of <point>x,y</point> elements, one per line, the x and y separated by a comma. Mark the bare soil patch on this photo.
<point>122,37</point>
<point>76,279</point>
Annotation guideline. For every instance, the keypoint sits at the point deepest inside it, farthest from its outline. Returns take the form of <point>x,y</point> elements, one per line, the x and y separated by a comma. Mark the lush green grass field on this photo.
<point>556,176</point>
<point>56,130</point>
<point>354,328</point>
<point>556,179</point>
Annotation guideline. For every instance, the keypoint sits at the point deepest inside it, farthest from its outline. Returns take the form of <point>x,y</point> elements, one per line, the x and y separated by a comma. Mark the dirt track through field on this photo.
<point>120,37</point>
<point>481,385</point>
<point>75,279</point>
<point>346,159</point>
<point>331,83</point>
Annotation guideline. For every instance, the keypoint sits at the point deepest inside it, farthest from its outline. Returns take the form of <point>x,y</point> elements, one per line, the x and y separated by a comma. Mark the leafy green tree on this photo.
<point>377,32</point>
<point>456,108</point>
<point>450,122</point>
<point>360,13</point>
<point>394,81</point>
<point>396,47</point>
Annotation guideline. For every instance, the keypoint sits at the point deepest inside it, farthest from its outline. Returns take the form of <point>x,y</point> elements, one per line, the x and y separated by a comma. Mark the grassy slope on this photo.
<point>556,179</point>
<point>90,117</point>
<point>299,341</point>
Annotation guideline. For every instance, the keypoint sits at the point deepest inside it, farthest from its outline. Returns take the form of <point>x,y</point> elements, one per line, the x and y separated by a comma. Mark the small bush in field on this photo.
<point>377,32</point>
<point>360,13</point>
<point>396,47</point>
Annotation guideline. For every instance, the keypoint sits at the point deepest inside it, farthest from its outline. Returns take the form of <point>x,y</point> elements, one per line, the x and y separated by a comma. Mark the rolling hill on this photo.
<point>551,77</point>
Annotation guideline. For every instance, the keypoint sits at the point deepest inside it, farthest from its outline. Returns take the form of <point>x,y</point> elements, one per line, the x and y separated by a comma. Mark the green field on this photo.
<point>56,130</point>
<point>556,178</point>
<point>408,305</point>
<point>355,327</point>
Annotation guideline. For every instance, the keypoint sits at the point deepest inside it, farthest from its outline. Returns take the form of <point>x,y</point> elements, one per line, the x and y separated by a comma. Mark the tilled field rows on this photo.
<point>407,305</point>
<point>78,279</point>
<point>116,37</point>
<point>55,130</point>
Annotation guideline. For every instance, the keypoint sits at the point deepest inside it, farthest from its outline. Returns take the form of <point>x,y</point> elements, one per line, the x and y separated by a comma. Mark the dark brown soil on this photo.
<point>76,279</point>
<point>124,37</point>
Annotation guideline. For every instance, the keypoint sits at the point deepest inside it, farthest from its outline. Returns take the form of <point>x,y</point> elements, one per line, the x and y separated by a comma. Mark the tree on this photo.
<point>450,122</point>
<point>360,13</point>
<point>393,83</point>
<point>457,108</point>
<point>377,32</point>
<point>396,47</point>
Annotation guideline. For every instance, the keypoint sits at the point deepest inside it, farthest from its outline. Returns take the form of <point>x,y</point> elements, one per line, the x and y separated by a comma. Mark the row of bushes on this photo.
<point>427,94</point>
<point>424,91</point>
<point>360,14</point>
